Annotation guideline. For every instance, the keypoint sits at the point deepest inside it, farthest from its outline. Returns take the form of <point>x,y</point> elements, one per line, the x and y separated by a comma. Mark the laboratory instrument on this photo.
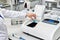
<point>46,29</point>
<point>39,11</point>
<point>51,4</point>
<point>16,21</point>
<point>58,3</point>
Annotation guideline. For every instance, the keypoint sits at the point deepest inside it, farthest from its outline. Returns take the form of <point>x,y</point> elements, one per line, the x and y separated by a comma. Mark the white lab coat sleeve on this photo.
<point>3,30</point>
<point>23,13</point>
<point>12,14</point>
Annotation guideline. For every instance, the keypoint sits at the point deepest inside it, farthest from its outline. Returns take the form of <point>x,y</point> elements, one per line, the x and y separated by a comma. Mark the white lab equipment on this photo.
<point>50,4</point>
<point>17,21</point>
<point>21,1</point>
<point>39,10</point>
<point>44,1</point>
<point>54,14</point>
<point>47,29</point>
<point>58,3</point>
<point>49,16</point>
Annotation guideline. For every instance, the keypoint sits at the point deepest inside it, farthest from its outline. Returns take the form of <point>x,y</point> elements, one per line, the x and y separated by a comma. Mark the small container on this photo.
<point>27,4</point>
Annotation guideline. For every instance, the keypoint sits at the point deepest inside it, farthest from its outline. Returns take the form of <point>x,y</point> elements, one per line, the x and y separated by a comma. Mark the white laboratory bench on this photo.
<point>16,30</point>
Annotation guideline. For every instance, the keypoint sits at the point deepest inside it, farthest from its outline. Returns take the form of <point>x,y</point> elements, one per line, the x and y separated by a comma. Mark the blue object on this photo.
<point>35,21</point>
<point>21,38</point>
<point>51,21</point>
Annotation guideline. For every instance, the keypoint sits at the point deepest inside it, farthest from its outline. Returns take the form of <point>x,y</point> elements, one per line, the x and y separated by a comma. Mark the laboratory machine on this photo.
<point>43,29</point>
<point>58,3</point>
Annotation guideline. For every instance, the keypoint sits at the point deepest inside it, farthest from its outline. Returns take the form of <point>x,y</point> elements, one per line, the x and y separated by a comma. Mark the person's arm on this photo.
<point>10,13</point>
<point>3,36</point>
<point>20,14</point>
<point>3,30</point>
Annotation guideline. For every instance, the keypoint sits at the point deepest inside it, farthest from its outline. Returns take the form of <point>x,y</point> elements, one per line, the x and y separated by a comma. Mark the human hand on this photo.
<point>31,15</point>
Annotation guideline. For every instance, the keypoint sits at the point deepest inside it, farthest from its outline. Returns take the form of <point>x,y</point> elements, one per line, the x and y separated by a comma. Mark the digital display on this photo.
<point>33,24</point>
<point>50,21</point>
